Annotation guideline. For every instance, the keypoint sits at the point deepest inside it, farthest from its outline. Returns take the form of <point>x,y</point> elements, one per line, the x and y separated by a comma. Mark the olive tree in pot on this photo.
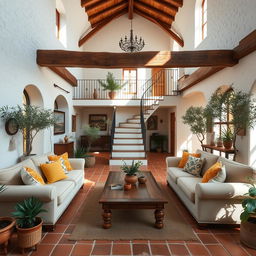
<point>131,172</point>
<point>6,226</point>
<point>111,85</point>
<point>28,224</point>
<point>248,218</point>
<point>30,121</point>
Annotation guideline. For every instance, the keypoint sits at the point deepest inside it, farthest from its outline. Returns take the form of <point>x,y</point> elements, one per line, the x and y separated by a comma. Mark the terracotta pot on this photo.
<point>89,161</point>
<point>142,180</point>
<point>127,187</point>
<point>29,237</point>
<point>227,144</point>
<point>248,233</point>
<point>133,179</point>
<point>6,232</point>
<point>112,95</point>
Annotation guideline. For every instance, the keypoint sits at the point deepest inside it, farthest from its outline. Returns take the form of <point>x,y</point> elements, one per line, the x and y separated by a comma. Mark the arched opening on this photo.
<point>61,28</point>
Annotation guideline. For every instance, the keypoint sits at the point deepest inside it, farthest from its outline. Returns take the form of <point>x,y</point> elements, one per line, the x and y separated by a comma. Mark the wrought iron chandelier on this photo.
<point>133,44</point>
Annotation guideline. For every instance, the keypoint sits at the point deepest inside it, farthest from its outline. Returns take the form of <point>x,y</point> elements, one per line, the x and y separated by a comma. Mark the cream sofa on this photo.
<point>211,202</point>
<point>56,196</point>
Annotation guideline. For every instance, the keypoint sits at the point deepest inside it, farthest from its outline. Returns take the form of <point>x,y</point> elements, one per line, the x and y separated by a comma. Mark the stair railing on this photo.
<point>163,83</point>
<point>113,128</point>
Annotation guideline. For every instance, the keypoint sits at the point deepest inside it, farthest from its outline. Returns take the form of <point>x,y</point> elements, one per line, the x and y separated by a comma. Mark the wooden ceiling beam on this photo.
<point>87,3</point>
<point>177,3</point>
<point>130,9</point>
<point>161,59</point>
<point>164,27</point>
<point>65,74</point>
<point>107,12</point>
<point>99,27</point>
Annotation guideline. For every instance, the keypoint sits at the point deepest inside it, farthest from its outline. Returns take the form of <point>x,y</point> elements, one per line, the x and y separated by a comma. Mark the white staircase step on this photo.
<point>127,147</point>
<point>128,130</point>
<point>128,154</point>
<point>128,141</point>
<point>132,125</point>
<point>134,120</point>
<point>127,135</point>
<point>127,161</point>
<point>145,116</point>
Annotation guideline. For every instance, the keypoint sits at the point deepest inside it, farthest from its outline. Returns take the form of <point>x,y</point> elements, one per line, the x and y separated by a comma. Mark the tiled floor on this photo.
<point>216,241</point>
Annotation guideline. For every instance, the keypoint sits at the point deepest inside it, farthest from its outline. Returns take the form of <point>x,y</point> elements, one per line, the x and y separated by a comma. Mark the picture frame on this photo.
<point>59,126</point>
<point>73,123</point>
<point>152,123</point>
<point>98,120</point>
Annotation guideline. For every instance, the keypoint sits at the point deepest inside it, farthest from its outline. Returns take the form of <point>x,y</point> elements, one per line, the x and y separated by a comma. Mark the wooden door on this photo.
<point>158,80</point>
<point>172,133</point>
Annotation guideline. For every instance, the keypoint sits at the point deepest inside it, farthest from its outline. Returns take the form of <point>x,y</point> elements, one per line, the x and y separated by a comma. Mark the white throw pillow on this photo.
<point>31,177</point>
<point>220,177</point>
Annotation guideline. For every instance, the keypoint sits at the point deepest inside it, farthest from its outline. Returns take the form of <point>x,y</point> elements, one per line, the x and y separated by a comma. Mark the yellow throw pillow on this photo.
<point>212,172</point>
<point>31,177</point>
<point>184,158</point>
<point>65,157</point>
<point>53,171</point>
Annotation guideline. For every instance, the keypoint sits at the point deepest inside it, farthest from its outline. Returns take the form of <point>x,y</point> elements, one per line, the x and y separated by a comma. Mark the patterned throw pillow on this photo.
<point>220,177</point>
<point>31,177</point>
<point>194,166</point>
<point>65,157</point>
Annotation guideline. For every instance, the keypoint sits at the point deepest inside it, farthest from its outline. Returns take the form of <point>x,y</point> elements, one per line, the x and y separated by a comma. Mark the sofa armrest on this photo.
<point>14,193</point>
<point>77,163</point>
<point>221,190</point>
<point>172,161</point>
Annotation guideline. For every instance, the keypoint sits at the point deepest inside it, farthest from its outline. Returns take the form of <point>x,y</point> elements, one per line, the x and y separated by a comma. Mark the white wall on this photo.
<point>25,27</point>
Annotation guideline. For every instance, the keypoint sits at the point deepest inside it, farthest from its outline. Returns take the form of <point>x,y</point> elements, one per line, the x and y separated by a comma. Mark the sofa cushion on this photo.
<point>63,188</point>
<point>194,166</point>
<point>188,186</point>
<point>184,158</point>
<point>212,172</point>
<point>236,172</point>
<point>75,176</point>
<point>30,177</point>
<point>210,160</point>
<point>175,173</point>
<point>38,160</point>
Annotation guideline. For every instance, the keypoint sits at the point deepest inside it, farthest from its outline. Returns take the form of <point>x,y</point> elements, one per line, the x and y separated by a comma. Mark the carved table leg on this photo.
<point>106,218</point>
<point>159,215</point>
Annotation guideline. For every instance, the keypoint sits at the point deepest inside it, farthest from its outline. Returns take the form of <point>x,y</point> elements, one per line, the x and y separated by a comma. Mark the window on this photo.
<point>57,24</point>
<point>25,101</point>
<point>130,76</point>
<point>204,19</point>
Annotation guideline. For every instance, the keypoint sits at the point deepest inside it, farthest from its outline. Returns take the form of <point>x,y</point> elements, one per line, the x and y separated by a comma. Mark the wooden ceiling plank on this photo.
<point>172,34</point>
<point>100,6</point>
<point>87,3</point>
<point>65,74</point>
<point>99,27</point>
<point>177,3</point>
<point>164,59</point>
<point>130,10</point>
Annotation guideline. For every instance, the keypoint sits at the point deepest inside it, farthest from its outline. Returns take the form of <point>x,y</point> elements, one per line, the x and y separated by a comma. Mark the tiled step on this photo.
<point>128,161</point>
<point>128,141</point>
<point>128,135</point>
<point>123,129</point>
<point>134,120</point>
<point>133,154</point>
<point>130,125</point>
<point>126,147</point>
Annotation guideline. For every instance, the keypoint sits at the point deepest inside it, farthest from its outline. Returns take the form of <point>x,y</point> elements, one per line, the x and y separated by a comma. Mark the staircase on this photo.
<point>128,139</point>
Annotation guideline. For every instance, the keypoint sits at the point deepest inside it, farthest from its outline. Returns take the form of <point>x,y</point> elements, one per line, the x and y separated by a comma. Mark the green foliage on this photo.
<point>30,120</point>
<point>133,169</point>
<point>196,118</point>
<point>249,203</point>
<point>27,211</point>
<point>80,152</point>
<point>227,135</point>
<point>93,133</point>
<point>2,188</point>
<point>111,84</point>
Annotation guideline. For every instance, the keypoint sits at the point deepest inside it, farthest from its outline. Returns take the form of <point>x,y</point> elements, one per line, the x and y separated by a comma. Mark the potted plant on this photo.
<point>92,134</point>
<point>219,142</point>
<point>227,138</point>
<point>30,121</point>
<point>131,172</point>
<point>248,218</point>
<point>111,85</point>
<point>28,224</point>
<point>159,141</point>
<point>6,227</point>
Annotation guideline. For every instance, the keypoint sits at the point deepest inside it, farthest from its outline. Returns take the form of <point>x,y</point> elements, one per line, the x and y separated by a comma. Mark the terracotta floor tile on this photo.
<point>217,250</point>
<point>62,250</point>
<point>250,251</point>
<point>43,249</point>
<point>197,249</point>
<point>122,241</point>
<point>121,249</point>
<point>64,240</point>
<point>70,229</point>
<point>159,249</point>
<point>140,249</point>
<point>207,239</point>
<point>60,228</point>
<point>178,249</point>
<point>102,249</point>
<point>82,250</point>
<point>140,241</point>
<point>51,238</point>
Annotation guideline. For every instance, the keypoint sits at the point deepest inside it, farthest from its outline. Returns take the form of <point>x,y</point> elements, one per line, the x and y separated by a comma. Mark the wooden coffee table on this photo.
<point>141,196</point>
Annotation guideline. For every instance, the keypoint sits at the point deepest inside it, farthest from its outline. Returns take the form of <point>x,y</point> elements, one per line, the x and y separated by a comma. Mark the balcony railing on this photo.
<point>90,89</point>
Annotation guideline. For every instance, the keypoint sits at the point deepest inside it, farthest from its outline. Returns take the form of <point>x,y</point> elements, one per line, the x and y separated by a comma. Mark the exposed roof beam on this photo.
<point>99,27</point>
<point>65,74</point>
<point>164,59</point>
<point>177,3</point>
<point>130,10</point>
<point>164,27</point>
<point>87,3</point>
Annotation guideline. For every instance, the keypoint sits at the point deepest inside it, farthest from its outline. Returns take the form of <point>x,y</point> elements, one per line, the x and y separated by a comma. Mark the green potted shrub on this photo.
<point>28,224</point>
<point>111,85</point>
<point>248,218</point>
<point>30,121</point>
<point>6,226</point>
<point>227,138</point>
<point>131,172</point>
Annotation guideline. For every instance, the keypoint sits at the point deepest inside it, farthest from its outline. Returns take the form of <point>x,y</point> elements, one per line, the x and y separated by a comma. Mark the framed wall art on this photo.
<point>98,120</point>
<point>59,127</point>
<point>73,123</point>
<point>152,123</point>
